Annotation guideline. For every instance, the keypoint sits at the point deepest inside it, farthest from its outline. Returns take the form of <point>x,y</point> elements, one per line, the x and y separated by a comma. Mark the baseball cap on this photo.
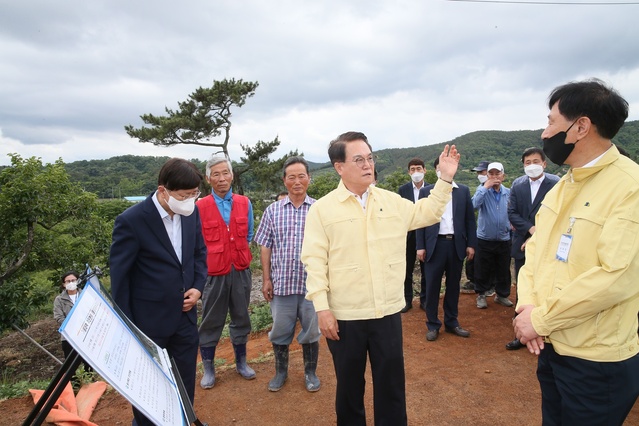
<point>495,165</point>
<point>483,165</point>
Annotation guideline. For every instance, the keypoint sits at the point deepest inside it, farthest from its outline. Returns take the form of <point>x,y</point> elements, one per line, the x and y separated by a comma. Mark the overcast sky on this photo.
<point>407,73</point>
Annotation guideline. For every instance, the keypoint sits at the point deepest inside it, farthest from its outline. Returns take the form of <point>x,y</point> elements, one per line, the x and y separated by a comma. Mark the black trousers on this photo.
<point>575,391</point>
<point>470,270</point>
<point>182,346</point>
<point>443,259</point>
<point>492,266</point>
<point>411,256</point>
<point>380,339</point>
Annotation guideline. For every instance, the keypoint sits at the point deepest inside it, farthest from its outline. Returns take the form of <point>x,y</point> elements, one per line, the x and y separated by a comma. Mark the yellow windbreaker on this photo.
<point>587,306</point>
<point>356,259</point>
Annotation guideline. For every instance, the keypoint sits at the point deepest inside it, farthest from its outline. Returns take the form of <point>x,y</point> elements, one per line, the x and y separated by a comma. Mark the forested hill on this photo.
<point>126,175</point>
<point>493,145</point>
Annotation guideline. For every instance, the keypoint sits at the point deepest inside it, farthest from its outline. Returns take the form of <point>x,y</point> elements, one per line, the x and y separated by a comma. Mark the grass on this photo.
<point>9,388</point>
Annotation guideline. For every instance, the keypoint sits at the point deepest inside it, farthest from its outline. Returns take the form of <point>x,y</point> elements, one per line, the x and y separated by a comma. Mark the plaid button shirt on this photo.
<point>282,230</point>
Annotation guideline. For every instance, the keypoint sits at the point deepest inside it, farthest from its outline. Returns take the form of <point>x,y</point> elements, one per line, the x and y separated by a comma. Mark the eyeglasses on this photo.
<point>70,280</point>
<point>359,160</point>
<point>181,197</point>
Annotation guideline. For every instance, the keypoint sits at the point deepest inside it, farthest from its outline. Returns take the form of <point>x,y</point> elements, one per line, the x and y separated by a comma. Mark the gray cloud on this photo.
<point>406,72</point>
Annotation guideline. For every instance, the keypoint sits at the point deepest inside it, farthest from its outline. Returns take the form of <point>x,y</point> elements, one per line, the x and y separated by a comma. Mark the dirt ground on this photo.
<point>452,381</point>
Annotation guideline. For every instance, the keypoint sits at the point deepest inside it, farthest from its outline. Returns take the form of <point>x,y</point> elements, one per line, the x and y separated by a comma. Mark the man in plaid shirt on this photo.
<point>280,236</point>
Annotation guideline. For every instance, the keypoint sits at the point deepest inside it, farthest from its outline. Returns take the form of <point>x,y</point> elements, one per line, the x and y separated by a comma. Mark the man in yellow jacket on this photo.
<point>354,252</point>
<point>578,291</point>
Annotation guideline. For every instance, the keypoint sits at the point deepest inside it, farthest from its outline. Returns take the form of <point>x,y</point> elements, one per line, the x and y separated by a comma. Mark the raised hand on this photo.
<point>448,162</point>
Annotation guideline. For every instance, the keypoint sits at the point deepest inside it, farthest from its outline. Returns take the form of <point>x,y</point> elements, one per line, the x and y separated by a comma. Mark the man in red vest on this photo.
<point>227,226</point>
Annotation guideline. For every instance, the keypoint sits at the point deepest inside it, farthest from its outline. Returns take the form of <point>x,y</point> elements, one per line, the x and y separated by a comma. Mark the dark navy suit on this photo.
<point>148,282</point>
<point>406,191</point>
<point>522,211</point>
<point>446,254</point>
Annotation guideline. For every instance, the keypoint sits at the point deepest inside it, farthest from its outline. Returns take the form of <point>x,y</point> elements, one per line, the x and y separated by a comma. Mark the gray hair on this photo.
<point>215,160</point>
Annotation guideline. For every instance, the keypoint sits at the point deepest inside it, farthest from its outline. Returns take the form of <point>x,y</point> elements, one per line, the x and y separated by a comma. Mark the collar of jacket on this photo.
<point>581,173</point>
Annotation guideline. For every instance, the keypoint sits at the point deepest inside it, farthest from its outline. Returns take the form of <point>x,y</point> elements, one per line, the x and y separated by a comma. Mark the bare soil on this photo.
<point>452,381</point>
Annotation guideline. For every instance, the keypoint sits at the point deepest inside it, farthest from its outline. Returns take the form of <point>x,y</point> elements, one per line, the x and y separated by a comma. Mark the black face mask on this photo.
<point>556,149</point>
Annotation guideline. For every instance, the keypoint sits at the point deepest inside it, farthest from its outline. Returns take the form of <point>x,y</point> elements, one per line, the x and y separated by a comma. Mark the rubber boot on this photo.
<point>240,362</point>
<point>311,352</point>
<point>281,367</point>
<point>208,356</point>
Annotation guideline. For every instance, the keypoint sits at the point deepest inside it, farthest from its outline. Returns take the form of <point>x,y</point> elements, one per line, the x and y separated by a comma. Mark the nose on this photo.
<point>545,134</point>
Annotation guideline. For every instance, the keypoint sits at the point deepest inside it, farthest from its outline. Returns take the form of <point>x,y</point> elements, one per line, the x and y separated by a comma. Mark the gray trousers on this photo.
<point>224,294</point>
<point>286,310</point>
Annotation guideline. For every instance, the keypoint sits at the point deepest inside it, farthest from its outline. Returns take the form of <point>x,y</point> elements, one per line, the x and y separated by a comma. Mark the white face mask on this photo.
<point>533,170</point>
<point>482,179</point>
<point>184,207</point>
<point>417,177</point>
<point>438,173</point>
<point>73,285</point>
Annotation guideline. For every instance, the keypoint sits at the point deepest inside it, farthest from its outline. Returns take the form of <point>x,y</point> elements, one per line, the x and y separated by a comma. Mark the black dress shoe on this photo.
<point>458,331</point>
<point>431,336</point>
<point>422,306</point>
<point>514,345</point>
<point>408,307</point>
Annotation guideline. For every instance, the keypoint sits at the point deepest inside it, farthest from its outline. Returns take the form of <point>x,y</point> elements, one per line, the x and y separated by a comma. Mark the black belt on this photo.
<point>446,236</point>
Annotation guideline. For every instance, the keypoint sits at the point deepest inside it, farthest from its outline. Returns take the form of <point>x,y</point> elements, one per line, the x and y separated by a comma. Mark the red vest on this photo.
<point>226,245</point>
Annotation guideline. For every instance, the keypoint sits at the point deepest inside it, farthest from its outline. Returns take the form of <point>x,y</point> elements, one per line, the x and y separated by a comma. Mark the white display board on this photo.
<point>127,359</point>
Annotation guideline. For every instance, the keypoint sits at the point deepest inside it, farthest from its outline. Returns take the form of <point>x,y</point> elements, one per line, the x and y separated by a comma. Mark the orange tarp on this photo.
<point>72,410</point>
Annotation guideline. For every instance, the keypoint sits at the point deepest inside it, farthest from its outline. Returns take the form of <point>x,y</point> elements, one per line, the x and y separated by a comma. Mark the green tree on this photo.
<point>257,171</point>
<point>204,116</point>
<point>322,184</point>
<point>393,181</point>
<point>46,222</point>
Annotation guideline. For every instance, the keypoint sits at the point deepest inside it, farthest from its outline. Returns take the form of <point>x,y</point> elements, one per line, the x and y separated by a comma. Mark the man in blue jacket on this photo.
<point>492,262</point>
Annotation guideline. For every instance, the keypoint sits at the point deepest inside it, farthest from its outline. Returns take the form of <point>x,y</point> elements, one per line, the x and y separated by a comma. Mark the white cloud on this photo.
<point>406,73</point>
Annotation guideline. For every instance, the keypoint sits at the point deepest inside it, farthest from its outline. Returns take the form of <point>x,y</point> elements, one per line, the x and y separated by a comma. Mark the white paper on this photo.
<point>135,366</point>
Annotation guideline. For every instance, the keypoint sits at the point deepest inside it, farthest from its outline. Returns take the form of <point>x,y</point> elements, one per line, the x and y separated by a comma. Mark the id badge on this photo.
<point>564,247</point>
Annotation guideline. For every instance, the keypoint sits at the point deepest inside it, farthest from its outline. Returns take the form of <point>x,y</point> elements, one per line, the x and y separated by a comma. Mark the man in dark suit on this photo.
<point>526,194</point>
<point>443,247</point>
<point>158,267</point>
<point>410,191</point>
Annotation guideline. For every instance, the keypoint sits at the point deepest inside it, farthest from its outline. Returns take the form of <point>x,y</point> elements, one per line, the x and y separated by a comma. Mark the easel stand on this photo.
<point>191,417</point>
<point>54,390</point>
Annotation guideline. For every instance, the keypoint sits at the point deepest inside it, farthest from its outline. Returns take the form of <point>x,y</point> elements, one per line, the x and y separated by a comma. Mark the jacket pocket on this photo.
<point>211,231</point>
<point>241,224</point>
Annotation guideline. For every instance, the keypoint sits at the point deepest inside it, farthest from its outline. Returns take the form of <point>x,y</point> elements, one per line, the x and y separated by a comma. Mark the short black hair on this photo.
<point>178,173</point>
<point>605,108</point>
<point>337,147</point>
<point>294,160</point>
<point>416,162</point>
<point>533,150</point>
<point>436,162</point>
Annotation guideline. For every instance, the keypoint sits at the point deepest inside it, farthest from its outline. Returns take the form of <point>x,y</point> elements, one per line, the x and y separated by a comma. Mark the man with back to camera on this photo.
<point>492,259</point>
<point>443,247</point>
<point>227,225</point>
<point>526,194</point>
<point>578,293</point>
<point>469,286</point>
<point>280,236</point>
<point>410,191</point>
<point>158,267</point>
<point>353,251</point>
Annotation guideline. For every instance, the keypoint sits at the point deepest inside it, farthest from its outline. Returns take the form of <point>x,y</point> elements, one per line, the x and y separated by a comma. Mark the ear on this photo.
<point>339,168</point>
<point>584,126</point>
